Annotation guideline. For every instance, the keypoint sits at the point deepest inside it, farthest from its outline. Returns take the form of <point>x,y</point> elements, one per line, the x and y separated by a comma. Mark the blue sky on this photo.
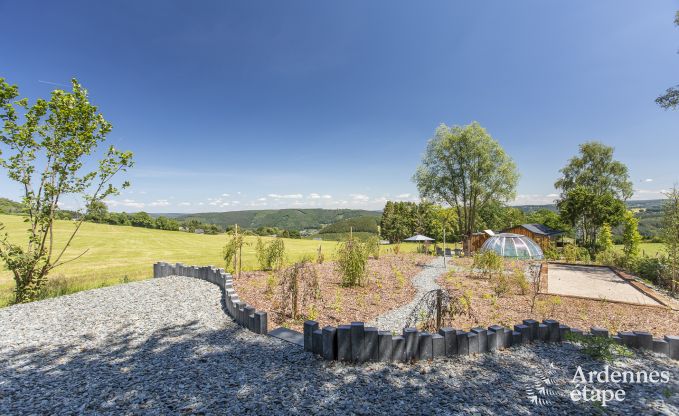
<point>254,104</point>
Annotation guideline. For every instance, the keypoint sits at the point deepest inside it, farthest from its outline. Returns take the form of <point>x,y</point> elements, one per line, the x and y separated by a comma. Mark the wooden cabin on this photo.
<point>540,233</point>
<point>474,242</point>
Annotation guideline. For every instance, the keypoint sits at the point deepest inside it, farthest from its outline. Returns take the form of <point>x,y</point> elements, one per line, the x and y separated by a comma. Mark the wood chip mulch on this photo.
<point>512,308</point>
<point>338,305</point>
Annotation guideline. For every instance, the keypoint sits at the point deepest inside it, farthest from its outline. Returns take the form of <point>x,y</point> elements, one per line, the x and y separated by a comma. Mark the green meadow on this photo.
<point>117,254</point>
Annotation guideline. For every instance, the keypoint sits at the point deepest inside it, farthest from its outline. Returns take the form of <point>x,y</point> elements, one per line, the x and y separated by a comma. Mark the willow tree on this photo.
<point>47,150</point>
<point>464,167</point>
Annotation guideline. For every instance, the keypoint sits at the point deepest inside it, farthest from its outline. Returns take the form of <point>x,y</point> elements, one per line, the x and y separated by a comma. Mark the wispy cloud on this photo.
<point>359,197</point>
<point>286,196</point>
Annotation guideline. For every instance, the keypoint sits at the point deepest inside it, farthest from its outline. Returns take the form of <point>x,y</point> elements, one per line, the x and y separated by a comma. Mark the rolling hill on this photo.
<point>290,219</point>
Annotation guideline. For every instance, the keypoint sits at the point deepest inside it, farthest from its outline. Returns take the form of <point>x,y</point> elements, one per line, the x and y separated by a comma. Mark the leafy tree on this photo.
<point>593,188</point>
<point>164,223</point>
<point>47,151</point>
<point>398,220</point>
<point>97,211</point>
<point>498,216</point>
<point>671,236</point>
<point>142,219</point>
<point>605,238</point>
<point>631,239</point>
<point>671,97</point>
<point>466,168</point>
<point>547,217</point>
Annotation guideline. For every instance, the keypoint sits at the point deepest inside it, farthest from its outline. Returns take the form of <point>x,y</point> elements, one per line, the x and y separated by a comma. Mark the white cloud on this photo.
<point>226,195</point>
<point>648,180</point>
<point>160,203</point>
<point>287,196</point>
<point>534,199</point>
<point>359,197</point>
<point>262,199</point>
<point>403,196</point>
<point>314,196</point>
<point>127,203</point>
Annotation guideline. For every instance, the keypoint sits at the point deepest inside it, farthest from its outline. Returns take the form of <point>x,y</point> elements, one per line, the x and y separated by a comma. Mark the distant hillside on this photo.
<point>7,206</point>
<point>366,224</point>
<point>289,219</point>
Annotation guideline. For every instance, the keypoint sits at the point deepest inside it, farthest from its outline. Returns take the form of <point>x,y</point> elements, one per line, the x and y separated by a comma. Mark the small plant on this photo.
<point>599,348</point>
<point>319,256</point>
<point>352,260</point>
<point>501,285</point>
<point>297,286</point>
<point>520,281</point>
<point>372,246</point>
<point>313,313</point>
<point>488,263</point>
<point>397,248</point>
<point>271,284</point>
<point>337,303</point>
<point>231,252</point>
<point>400,278</point>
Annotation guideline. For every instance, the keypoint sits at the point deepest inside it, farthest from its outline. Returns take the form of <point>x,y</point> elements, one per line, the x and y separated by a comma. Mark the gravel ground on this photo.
<point>164,346</point>
<point>424,282</point>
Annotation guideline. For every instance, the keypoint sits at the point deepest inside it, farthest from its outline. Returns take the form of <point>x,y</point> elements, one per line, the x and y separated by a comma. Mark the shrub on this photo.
<point>501,285</point>
<point>234,243</point>
<point>600,348</point>
<point>520,281</point>
<point>651,268</point>
<point>270,256</point>
<point>573,253</point>
<point>372,246</point>
<point>551,252</point>
<point>488,263</point>
<point>352,260</point>
<point>297,286</point>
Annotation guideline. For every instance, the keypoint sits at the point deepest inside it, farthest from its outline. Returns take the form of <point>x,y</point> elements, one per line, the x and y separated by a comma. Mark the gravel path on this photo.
<point>424,282</point>
<point>164,346</point>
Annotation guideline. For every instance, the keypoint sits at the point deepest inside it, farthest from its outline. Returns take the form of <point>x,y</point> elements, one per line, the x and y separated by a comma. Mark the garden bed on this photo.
<point>487,308</point>
<point>388,285</point>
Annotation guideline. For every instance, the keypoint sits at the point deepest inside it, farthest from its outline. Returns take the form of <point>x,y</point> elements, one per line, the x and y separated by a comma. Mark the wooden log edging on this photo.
<point>357,343</point>
<point>244,314</point>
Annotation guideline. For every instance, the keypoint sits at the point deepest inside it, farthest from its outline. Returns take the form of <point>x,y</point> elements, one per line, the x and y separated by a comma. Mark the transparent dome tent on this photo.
<point>515,246</point>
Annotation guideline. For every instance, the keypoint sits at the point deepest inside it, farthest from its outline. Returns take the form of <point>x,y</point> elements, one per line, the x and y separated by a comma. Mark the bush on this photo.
<point>270,256</point>
<point>520,281</point>
<point>372,246</point>
<point>488,263</point>
<point>600,348</point>
<point>573,254</point>
<point>651,268</point>
<point>298,286</point>
<point>352,260</point>
<point>231,250</point>
<point>551,252</point>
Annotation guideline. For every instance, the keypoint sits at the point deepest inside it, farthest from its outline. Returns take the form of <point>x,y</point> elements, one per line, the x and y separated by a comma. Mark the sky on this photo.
<point>284,104</point>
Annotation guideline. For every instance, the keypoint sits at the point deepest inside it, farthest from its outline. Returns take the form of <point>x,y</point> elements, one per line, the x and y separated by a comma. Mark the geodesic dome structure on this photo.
<point>515,246</point>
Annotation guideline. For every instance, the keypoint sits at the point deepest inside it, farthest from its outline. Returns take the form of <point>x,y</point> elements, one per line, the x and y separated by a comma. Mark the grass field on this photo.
<point>117,254</point>
<point>648,249</point>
